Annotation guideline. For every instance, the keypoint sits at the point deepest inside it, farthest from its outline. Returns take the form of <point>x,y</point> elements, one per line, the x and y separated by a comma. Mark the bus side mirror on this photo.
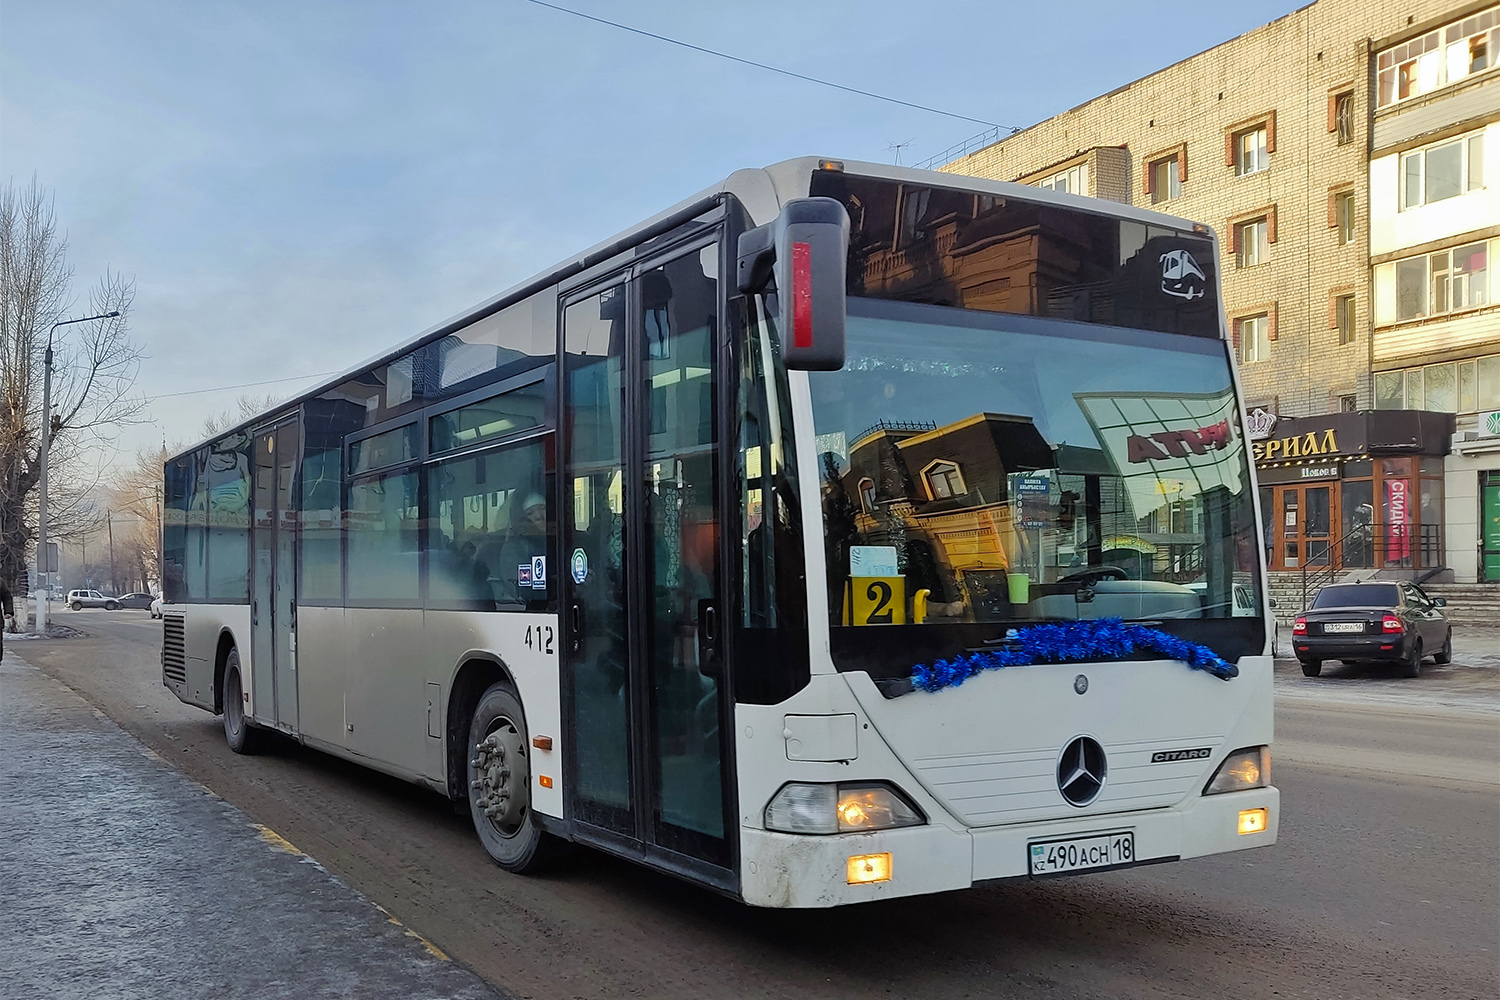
<point>805,250</point>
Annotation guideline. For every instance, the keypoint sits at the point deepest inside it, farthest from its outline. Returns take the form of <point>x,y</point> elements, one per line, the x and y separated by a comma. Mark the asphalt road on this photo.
<point>1385,883</point>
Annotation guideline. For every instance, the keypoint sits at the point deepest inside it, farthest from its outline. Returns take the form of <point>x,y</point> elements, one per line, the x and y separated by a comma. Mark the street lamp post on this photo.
<point>41,524</point>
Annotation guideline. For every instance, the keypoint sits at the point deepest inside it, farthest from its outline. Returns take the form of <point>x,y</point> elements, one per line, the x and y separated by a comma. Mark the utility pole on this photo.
<point>43,589</point>
<point>114,584</point>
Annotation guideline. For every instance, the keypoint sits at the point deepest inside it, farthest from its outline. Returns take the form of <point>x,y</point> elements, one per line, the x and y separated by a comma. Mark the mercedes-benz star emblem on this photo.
<point>1080,684</point>
<point>1081,771</point>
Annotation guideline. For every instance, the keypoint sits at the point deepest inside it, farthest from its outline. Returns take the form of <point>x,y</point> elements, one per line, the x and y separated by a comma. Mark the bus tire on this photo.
<point>239,733</point>
<point>499,782</point>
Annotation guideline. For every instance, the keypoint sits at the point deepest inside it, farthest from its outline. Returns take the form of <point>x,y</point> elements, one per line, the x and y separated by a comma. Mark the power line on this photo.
<point>760,65</point>
<point>243,385</point>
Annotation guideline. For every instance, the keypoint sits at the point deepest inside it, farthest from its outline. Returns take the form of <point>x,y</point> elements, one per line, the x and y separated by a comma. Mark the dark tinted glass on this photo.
<point>1361,595</point>
<point>229,519</point>
<point>975,251</point>
<point>487,420</point>
<point>390,448</point>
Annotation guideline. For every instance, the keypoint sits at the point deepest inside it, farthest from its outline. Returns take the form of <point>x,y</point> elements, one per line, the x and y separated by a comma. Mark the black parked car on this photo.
<point>142,601</point>
<point>1378,620</point>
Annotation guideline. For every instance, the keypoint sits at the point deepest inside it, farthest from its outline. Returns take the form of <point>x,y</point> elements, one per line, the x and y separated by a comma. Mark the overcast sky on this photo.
<point>297,186</point>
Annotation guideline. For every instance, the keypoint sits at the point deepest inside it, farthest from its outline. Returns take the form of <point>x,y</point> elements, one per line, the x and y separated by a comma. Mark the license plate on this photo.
<point>1099,850</point>
<point>1343,627</point>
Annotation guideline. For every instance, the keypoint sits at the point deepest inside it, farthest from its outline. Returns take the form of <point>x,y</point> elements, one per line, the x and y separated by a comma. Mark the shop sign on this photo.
<point>1309,445</point>
<point>1398,519</point>
<point>1489,424</point>
<point>1319,472</point>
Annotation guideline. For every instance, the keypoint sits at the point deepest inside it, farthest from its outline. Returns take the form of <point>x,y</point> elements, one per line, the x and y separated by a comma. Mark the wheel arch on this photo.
<point>477,670</point>
<point>226,642</point>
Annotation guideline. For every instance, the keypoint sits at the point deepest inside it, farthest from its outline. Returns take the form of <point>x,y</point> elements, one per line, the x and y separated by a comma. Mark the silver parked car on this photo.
<point>80,599</point>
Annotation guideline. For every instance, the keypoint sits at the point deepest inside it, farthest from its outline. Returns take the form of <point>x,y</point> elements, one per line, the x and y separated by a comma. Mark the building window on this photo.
<point>867,495</point>
<point>1433,284</point>
<point>1164,179</point>
<point>1443,171</point>
<point>1343,217</point>
<point>1343,117</point>
<point>944,480</point>
<point>1348,404</point>
<point>1440,58</point>
<point>1454,387</point>
<point>1074,180</point>
<point>1252,242</point>
<point>1343,318</point>
<point>1251,154</point>
<point>1255,337</point>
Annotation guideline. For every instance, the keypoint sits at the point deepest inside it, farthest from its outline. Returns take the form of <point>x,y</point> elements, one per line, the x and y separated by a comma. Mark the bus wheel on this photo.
<point>500,781</point>
<point>241,736</point>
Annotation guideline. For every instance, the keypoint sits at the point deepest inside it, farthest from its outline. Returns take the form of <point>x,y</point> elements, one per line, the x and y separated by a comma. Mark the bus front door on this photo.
<point>273,576</point>
<point>641,566</point>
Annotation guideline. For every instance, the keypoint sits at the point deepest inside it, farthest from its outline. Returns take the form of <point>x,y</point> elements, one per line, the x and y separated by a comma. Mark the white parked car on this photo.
<point>156,608</point>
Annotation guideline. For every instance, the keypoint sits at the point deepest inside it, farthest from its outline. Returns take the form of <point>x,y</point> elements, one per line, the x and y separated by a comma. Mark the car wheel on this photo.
<point>499,780</point>
<point>1413,665</point>
<point>241,736</point>
<point>1311,668</point>
<point>77,605</point>
<point>111,605</point>
<point>1445,655</point>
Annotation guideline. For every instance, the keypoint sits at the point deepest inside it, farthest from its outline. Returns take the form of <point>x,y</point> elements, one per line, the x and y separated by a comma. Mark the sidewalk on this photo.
<point>120,877</point>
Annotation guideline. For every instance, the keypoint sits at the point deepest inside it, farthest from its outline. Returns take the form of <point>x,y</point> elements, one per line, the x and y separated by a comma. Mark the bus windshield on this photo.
<point>982,467</point>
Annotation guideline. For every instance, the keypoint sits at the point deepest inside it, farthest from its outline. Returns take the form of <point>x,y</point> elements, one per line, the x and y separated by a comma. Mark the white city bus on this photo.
<point>844,532</point>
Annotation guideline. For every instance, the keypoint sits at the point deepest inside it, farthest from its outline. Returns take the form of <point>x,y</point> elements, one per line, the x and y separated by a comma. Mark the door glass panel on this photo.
<point>262,567</point>
<point>593,556</point>
<point>679,305</point>
<point>1317,524</point>
<point>1357,500</point>
<point>284,615</point>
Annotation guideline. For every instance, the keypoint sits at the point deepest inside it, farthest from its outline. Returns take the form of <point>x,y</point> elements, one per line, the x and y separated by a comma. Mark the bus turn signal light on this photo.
<point>1251,821</point>
<point>869,868</point>
<point>544,780</point>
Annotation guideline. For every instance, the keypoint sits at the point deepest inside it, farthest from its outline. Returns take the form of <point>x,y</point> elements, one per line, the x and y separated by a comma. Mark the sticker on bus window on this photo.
<point>538,572</point>
<point>872,560</point>
<point>580,564</point>
<point>523,575</point>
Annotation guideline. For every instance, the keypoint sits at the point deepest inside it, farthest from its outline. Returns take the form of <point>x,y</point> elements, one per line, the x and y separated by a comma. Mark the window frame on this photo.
<point>1425,261</point>
<point>1261,226</point>
<point>1402,65</point>
<point>1264,336</point>
<point>1262,152</point>
<point>1344,314</point>
<point>1467,142</point>
<point>1343,118</point>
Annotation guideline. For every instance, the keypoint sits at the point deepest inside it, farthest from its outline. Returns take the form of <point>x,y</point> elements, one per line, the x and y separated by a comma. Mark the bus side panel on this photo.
<point>384,656</point>
<point>528,645</point>
<point>321,669</point>
<point>204,624</point>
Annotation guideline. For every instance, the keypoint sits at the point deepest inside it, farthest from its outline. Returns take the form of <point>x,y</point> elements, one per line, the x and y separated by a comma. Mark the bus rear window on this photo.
<point>942,246</point>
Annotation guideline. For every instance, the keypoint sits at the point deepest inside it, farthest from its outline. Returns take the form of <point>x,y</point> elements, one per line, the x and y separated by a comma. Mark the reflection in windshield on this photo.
<point>983,468</point>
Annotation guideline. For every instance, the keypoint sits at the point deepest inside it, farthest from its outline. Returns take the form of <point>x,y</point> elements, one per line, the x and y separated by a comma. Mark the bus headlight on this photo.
<point>1248,768</point>
<point>801,807</point>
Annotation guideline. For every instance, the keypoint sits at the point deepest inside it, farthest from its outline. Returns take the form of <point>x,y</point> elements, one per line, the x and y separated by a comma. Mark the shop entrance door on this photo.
<point>1489,527</point>
<point>1303,525</point>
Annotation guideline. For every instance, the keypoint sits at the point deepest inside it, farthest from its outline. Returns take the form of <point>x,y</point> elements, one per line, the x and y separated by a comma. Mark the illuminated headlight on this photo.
<point>806,808</point>
<point>1249,768</point>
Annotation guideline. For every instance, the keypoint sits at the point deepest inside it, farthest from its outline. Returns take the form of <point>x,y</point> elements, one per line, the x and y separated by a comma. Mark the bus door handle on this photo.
<point>575,628</point>
<point>709,638</point>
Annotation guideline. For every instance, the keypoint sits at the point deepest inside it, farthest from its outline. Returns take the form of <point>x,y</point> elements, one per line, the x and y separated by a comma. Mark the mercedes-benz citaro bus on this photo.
<point>843,532</point>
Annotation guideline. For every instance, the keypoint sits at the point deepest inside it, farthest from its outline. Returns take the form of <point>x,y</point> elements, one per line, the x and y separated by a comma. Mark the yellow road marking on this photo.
<point>277,841</point>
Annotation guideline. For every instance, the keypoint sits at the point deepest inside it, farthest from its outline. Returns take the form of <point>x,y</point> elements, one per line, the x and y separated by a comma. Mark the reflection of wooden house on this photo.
<point>948,483</point>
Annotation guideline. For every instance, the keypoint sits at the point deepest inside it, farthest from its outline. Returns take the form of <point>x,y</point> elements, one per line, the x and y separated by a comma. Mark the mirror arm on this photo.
<point>757,258</point>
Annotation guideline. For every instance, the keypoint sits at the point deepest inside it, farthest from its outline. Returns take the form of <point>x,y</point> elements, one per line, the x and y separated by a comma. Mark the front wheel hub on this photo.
<point>502,779</point>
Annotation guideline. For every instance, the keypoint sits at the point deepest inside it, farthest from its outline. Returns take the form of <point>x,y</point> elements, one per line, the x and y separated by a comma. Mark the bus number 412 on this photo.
<point>539,637</point>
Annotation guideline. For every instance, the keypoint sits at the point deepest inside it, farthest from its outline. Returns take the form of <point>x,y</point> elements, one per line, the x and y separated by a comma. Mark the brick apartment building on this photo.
<point>1348,155</point>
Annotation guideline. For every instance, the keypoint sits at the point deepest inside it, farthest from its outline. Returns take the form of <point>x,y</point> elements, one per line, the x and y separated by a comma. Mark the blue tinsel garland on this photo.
<point>1070,642</point>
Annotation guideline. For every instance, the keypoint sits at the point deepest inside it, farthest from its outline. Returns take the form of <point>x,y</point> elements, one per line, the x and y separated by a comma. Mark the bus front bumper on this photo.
<point>788,870</point>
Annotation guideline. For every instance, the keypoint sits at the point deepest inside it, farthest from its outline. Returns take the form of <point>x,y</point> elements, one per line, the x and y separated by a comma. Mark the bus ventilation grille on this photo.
<point>174,648</point>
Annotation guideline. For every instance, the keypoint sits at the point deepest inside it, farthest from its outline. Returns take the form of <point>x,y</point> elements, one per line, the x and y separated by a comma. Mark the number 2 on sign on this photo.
<point>879,600</point>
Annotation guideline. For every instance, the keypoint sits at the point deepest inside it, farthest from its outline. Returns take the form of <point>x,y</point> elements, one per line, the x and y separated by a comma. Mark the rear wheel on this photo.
<point>1445,655</point>
<point>1413,665</point>
<point>77,605</point>
<point>499,780</point>
<point>111,605</point>
<point>1312,668</point>
<point>241,736</point>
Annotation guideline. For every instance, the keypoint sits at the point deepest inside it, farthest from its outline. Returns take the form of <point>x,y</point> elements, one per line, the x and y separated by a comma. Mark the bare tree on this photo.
<point>136,492</point>
<point>93,377</point>
<point>244,408</point>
